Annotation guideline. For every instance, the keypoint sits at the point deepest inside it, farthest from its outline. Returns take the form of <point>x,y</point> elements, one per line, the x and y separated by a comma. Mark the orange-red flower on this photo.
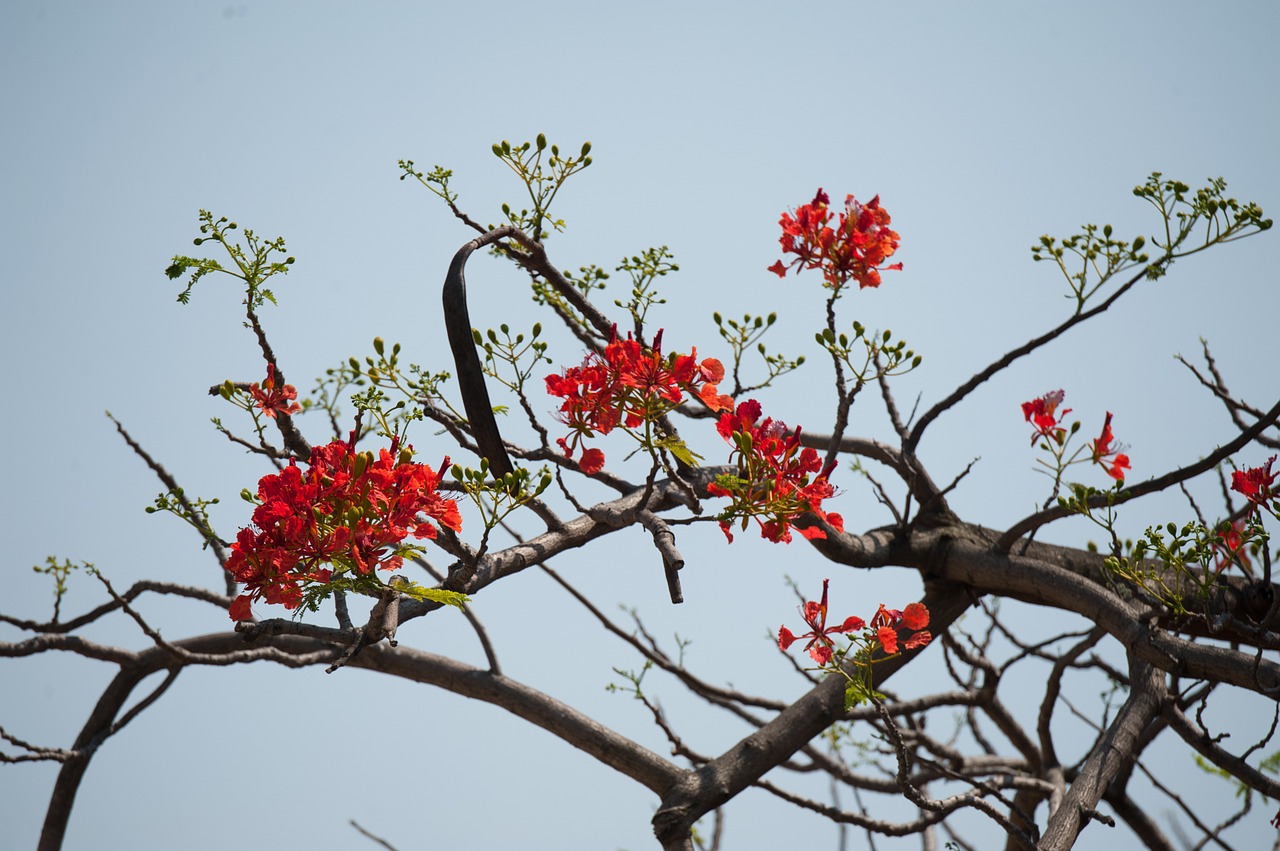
<point>274,400</point>
<point>854,249</point>
<point>1041,414</point>
<point>1230,543</point>
<point>627,385</point>
<point>352,510</point>
<point>815,615</point>
<point>1103,450</point>
<point>1255,483</point>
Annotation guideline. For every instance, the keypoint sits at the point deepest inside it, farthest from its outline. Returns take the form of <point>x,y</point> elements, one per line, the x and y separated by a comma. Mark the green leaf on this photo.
<point>682,452</point>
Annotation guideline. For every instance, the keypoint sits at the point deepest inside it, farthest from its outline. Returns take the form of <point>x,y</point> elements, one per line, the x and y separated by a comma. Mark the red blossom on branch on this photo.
<point>815,615</point>
<point>347,509</point>
<point>626,386</point>
<point>1230,542</point>
<point>275,400</point>
<point>776,481</point>
<point>887,622</point>
<point>854,249</point>
<point>1103,450</point>
<point>882,630</point>
<point>1254,484</point>
<point>1041,414</point>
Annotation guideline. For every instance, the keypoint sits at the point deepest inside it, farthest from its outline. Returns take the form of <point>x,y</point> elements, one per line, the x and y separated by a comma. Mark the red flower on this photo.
<point>854,249</point>
<point>627,385</point>
<point>1102,450</point>
<point>815,615</point>
<point>775,481</point>
<point>1040,413</point>
<point>347,509</point>
<point>1255,483</point>
<point>1230,541</point>
<point>273,400</point>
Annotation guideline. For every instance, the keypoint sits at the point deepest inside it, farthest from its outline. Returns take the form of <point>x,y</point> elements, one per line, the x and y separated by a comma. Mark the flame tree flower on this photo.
<point>1041,414</point>
<point>854,249</point>
<point>775,482</point>
<point>626,386</point>
<point>274,400</point>
<point>815,615</point>
<point>1254,484</point>
<point>1103,450</point>
<point>351,511</point>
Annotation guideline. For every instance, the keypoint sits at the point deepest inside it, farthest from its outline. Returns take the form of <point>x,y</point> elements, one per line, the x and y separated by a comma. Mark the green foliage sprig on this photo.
<point>542,178</point>
<point>1101,257</point>
<point>881,357</point>
<point>743,335</point>
<point>190,511</point>
<point>644,269</point>
<point>252,258</point>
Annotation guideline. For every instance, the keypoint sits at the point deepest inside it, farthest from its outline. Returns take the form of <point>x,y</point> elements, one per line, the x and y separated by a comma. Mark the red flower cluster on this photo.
<point>854,249</point>
<point>773,479</point>
<point>348,509</point>
<point>1102,450</point>
<point>1255,483</point>
<point>273,400</point>
<point>1040,413</point>
<point>628,385</point>
<point>883,629</point>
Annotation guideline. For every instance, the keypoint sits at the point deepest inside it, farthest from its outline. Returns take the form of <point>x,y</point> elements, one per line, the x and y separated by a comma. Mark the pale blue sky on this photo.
<point>981,126</point>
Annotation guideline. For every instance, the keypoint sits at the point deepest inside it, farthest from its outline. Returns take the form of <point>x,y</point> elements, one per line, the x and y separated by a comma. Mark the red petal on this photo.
<point>240,610</point>
<point>592,461</point>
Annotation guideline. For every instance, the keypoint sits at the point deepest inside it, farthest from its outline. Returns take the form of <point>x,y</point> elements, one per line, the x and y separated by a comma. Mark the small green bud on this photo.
<point>586,148</point>
<point>542,141</point>
<point>378,345</point>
